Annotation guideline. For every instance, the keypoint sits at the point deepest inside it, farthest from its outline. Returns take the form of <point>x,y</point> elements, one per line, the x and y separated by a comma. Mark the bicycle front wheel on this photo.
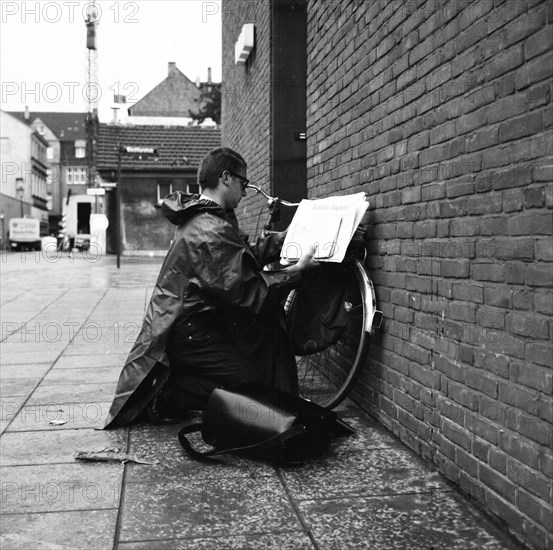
<point>331,347</point>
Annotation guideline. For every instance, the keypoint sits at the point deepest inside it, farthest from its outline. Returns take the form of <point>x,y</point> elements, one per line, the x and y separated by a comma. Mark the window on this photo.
<point>80,148</point>
<point>164,188</point>
<point>50,153</point>
<point>76,175</point>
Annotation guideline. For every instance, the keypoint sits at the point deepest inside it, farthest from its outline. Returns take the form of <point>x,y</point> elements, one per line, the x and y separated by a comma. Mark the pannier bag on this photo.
<point>262,422</point>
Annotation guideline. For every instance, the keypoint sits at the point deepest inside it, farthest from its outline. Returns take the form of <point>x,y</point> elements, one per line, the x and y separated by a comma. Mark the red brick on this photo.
<point>462,311</point>
<point>525,26</point>
<point>535,198</point>
<point>514,273</point>
<point>468,292</point>
<point>540,42</point>
<point>520,450</point>
<point>534,71</point>
<point>498,296</point>
<point>535,430</point>
<point>526,325</point>
<point>498,461</point>
<point>488,272</point>
<point>491,204</point>
<point>476,379</point>
<point>517,176</point>
<point>531,224</point>
<point>541,354</point>
<point>522,126</point>
<point>532,376</point>
<point>543,303</point>
<point>505,108</point>
<point>491,318</point>
<point>497,483</point>
<point>457,435</point>
<point>453,209</point>
<point>539,275</point>
<point>505,61</point>
<point>512,201</point>
<point>543,170</point>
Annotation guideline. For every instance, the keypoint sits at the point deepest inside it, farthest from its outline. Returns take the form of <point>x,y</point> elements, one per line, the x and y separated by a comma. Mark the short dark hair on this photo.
<point>215,163</point>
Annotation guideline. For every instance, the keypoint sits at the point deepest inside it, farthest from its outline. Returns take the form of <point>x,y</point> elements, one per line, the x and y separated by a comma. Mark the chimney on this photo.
<point>209,75</point>
<point>27,114</point>
<point>172,67</point>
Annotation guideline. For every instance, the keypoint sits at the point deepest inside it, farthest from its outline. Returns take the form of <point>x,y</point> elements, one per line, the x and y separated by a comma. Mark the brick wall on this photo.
<point>246,101</point>
<point>441,111</point>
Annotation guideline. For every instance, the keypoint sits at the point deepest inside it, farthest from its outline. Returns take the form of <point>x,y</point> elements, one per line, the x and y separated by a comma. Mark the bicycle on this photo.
<point>328,367</point>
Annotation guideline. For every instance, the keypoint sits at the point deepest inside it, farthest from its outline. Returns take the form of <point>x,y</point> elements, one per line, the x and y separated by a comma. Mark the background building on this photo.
<point>24,172</point>
<point>441,112</point>
<point>146,182</point>
<point>176,96</point>
<point>67,168</point>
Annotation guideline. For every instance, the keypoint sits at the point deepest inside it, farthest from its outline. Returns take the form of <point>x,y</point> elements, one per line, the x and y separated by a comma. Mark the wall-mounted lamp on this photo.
<point>245,44</point>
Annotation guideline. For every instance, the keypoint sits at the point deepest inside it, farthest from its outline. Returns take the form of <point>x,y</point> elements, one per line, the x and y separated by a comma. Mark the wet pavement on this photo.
<point>67,325</point>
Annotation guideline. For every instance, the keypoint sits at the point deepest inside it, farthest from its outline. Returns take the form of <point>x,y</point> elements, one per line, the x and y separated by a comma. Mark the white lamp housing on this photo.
<point>245,43</point>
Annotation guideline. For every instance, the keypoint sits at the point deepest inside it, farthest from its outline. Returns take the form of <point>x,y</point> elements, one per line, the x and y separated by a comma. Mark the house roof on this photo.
<point>174,143</point>
<point>174,96</point>
<point>66,126</point>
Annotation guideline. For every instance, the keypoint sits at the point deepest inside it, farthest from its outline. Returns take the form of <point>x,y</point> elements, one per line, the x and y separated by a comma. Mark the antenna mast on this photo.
<point>93,92</point>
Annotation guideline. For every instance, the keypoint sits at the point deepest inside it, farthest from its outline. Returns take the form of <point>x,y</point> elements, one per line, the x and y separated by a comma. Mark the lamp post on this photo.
<point>138,153</point>
<point>20,191</point>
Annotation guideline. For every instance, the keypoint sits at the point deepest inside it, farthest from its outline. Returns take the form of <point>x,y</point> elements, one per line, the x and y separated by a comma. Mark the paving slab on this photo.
<point>67,393</point>
<point>68,416</point>
<point>423,521</point>
<point>106,359</point>
<point>81,375</point>
<point>18,386</point>
<point>190,507</point>
<point>160,443</point>
<point>80,529</point>
<point>275,541</point>
<point>55,446</point>
<point>61,487</point>
<point>23,357</point>
<point>24,371</point>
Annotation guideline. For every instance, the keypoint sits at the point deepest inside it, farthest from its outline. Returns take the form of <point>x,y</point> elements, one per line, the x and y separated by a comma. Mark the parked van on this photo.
<point>25,233</point>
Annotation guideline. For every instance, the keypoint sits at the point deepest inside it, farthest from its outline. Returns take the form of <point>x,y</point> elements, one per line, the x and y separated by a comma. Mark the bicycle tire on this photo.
<point>327,376</point>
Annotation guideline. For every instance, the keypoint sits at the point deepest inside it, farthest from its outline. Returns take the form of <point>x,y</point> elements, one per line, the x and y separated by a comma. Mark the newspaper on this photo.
<point>328,223</point>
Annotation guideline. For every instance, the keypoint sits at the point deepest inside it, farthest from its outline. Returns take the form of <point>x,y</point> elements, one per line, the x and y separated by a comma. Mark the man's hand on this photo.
<point>307,260</point>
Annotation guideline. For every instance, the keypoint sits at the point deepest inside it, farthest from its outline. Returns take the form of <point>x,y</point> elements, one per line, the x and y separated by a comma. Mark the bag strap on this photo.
<point>266,444</point>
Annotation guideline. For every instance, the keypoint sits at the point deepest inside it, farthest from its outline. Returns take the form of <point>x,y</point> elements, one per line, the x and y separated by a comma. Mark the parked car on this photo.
<point>82,241</point>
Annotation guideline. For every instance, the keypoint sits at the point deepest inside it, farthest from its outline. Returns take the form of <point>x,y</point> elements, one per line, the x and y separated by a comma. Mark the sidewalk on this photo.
<point>67,326</point>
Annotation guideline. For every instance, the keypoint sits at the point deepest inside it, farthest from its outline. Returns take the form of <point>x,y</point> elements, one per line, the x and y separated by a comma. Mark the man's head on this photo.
<point>223,172</point>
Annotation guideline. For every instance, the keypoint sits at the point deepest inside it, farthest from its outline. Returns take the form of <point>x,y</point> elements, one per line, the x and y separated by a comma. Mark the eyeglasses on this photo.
<point>245,182</point>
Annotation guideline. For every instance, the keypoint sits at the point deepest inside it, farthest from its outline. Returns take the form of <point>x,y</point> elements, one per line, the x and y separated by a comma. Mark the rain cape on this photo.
<point>209,268</point>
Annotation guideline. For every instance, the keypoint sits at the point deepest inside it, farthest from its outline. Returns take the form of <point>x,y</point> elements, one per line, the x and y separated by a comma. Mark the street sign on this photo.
<point>95,191</point>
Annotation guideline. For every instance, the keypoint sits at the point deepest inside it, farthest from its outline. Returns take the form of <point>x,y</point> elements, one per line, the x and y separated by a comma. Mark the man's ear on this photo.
<point>224,177</point>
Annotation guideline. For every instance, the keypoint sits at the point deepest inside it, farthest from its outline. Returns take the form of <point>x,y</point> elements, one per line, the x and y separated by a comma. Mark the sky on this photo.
<point>43,54</point>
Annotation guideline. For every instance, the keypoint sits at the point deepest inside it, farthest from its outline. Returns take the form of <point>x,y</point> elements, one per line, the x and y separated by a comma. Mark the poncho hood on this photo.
<point>179,207</point>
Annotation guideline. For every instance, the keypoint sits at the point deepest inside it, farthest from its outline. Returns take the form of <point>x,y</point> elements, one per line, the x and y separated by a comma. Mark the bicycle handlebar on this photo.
<point>272,200</point>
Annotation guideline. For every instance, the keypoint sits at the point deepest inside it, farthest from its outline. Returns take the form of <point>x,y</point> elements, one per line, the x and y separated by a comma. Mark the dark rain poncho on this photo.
<point>212,281</point>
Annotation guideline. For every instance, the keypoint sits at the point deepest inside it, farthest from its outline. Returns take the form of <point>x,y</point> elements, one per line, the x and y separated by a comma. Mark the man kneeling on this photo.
<point>215,317</point>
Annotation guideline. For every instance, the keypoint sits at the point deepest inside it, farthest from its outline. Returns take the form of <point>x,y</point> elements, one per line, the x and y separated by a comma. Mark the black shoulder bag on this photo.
<point>262,422</point>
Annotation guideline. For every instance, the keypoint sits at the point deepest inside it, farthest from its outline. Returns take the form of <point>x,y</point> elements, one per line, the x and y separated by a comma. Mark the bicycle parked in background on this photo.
<point>330,319</point>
